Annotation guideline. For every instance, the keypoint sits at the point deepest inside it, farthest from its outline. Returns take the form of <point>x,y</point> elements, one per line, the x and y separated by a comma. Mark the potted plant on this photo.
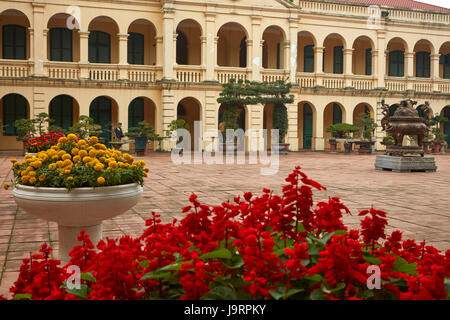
<point>26,130</point>
<point>78,184</point>
<point>280,122</point>
<point>43,142</point>
<point>438,135</point>
<point>388,141</point>
<point>86,128</point>
<point>173,127</point>
<point>141,136</point>
<point>116,144</point>
<point>343,131</point>
<point>367,128</point>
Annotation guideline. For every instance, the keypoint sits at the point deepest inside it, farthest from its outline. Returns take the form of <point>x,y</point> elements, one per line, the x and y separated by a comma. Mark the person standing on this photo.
<point>118,131</point>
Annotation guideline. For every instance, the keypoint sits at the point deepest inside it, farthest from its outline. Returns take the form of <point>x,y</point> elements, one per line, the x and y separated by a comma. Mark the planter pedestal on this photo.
<point>67,238</point>
<point>77,209</point>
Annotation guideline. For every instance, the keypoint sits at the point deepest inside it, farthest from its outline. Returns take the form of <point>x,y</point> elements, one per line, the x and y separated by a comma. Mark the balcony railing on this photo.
<point>362,82</point>
<point>192,74</point>
<point>14,69</point>
<point>63,70</point>
<point>224,74</point>
<point>272,75</point>
<point>333,81</point>
<point>306,80</point>
<point>103,72</point>
<point>142,73</point>
<point>396,84</point>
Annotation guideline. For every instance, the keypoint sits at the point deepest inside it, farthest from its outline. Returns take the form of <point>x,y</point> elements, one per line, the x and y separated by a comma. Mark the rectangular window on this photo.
<point>396,64</point>
<point>14,42</point>
<point>338,60</point>
<point>368,61</point>
<point>308,58</point>
<point>60,44</point>
<point>278,55</point>
<point>135,48</point>
<point>446,66</point>
<point>423,64</point>
<point>99,47</point>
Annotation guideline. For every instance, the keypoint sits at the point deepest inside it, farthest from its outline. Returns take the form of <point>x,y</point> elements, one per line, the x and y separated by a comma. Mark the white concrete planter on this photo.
<point>78,209</point>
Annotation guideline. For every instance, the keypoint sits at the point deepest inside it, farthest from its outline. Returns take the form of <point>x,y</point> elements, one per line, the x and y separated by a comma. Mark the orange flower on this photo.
<point>101,180</point>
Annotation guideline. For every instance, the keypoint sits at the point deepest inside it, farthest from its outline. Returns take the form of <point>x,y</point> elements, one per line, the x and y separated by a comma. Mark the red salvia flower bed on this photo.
<point>259,247</point>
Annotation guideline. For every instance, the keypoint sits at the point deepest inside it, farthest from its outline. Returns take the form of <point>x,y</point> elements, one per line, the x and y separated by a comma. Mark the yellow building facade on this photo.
<point>127,61</point>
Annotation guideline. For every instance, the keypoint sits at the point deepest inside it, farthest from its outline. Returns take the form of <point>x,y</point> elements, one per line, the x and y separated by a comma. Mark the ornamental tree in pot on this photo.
<point>78,184</point>
<point>86,127</point>
<point>438,135</point>
<point>367,126</point>
<point>141,134</point>
<point>343,131</point>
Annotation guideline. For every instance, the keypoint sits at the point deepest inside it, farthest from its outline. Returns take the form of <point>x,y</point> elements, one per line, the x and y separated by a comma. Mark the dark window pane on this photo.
<point>135,112</point>
<point>14,108</point>
<point>396,64</point>
<point>368,61</point>
<point>136,48</point>
<point>423,64</point>
<point>446,67</point>
<point>308,58</point>
<point>14,42</point>
<point>99,47</point>
<point>338,59</point>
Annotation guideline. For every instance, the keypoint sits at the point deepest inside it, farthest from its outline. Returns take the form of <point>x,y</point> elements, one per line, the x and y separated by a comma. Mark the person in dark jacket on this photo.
<point>118,131</point>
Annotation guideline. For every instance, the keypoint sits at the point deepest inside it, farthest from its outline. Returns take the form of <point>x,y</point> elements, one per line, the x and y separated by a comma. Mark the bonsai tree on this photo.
<point>174,126</point>
<point>144,129</point>
<point>342,130</point>
<point>435,121</point>
<point>86,128</point>
<point>367,125</point>
<point>25,128</point>
<point>40,121</point>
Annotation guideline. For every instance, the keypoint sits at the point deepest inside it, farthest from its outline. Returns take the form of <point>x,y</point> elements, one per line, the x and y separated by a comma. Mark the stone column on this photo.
<point>123,56</point>
<point>38,41</point>
<point>348,55</point>
<point>286,55</point>
<point>84,54</point>
<point>435,71</point>
<point>291,64</point>
<point>380,59</point>
<point>409,72</point>
<point>318,57</point>
<point>169,113</point>
<point>256,58</point>
<point>319,142</point>
<point>168,42</point>
<point>292,135</point>
<point>211,46</point>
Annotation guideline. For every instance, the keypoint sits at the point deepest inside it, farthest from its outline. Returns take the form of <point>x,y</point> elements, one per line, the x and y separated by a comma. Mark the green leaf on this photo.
<point>145,263</point>
<point>401,265</point>
<point>371,259</point>
<point>156,275</point>
<point>236,262</point>
<point>88,277</point>
<point>276,294</point>
<point>221,253</point>
<point>340,232</point>
<point>317,294</point>
<point>315,278</point>
<point>220,293</point>
<point>300,228</point>
<point>338,287</point>
<point>21,296</point>
<point>80,293</point>
<point>292,292</point>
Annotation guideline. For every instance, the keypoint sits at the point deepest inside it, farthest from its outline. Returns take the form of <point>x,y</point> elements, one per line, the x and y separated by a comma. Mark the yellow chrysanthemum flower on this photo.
<point>81,142</point>
<point>32,173</point>
<point>63,140</point>
<point>28,156</point>
<point>13,161</point>
<point>93,140</point>
<point>68,163</point>
<point>93,153</point>
<point>75,151</point>
<point>66,157</point>
<point>32,180</point>
<point>72,137</point>
<point>101,180</point>
<point>76,159</point>
<point>86,159</point>
<point>82,153</point>
<point>70,178</point>
<point>60,164</point>
<point>99,167</point>
<point>42,177</point>
<point>24,179</point>
<point>6,186</point>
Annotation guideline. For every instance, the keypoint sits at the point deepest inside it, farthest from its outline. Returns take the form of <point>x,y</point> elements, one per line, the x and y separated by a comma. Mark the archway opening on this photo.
<point>62,42</point>
<point>333,55</point>
<point>104,111</point>
<point>395,58</point>
<point>232,46</point>
<point>103,41</point>
<point>64,111</point>
<point>273,48</point>
<point>12,107</point>
<point>305,125</point>
<point>362,56</point>
<point>189,110</point>
<point>444,61</point>
<point>189,46</point>
<point>141,47</point>
<point>422,59</point>
<point>15,35</point>
<point>333,113</point>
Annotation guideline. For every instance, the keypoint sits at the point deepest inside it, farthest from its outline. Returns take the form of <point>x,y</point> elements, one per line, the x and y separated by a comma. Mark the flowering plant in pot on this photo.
<point>343,131</point>
<point>254,247</point>
<point>70,181</point>
<point>43,142</point>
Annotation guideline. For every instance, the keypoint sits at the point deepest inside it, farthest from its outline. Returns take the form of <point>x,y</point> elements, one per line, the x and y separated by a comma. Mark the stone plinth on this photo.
<point>405,164</point>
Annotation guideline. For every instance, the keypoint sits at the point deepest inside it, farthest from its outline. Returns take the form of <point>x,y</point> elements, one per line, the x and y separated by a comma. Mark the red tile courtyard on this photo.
<point>417,203</point>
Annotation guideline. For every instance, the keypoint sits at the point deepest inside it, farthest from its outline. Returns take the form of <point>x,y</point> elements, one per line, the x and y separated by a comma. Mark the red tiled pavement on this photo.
<point>417,203</point>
